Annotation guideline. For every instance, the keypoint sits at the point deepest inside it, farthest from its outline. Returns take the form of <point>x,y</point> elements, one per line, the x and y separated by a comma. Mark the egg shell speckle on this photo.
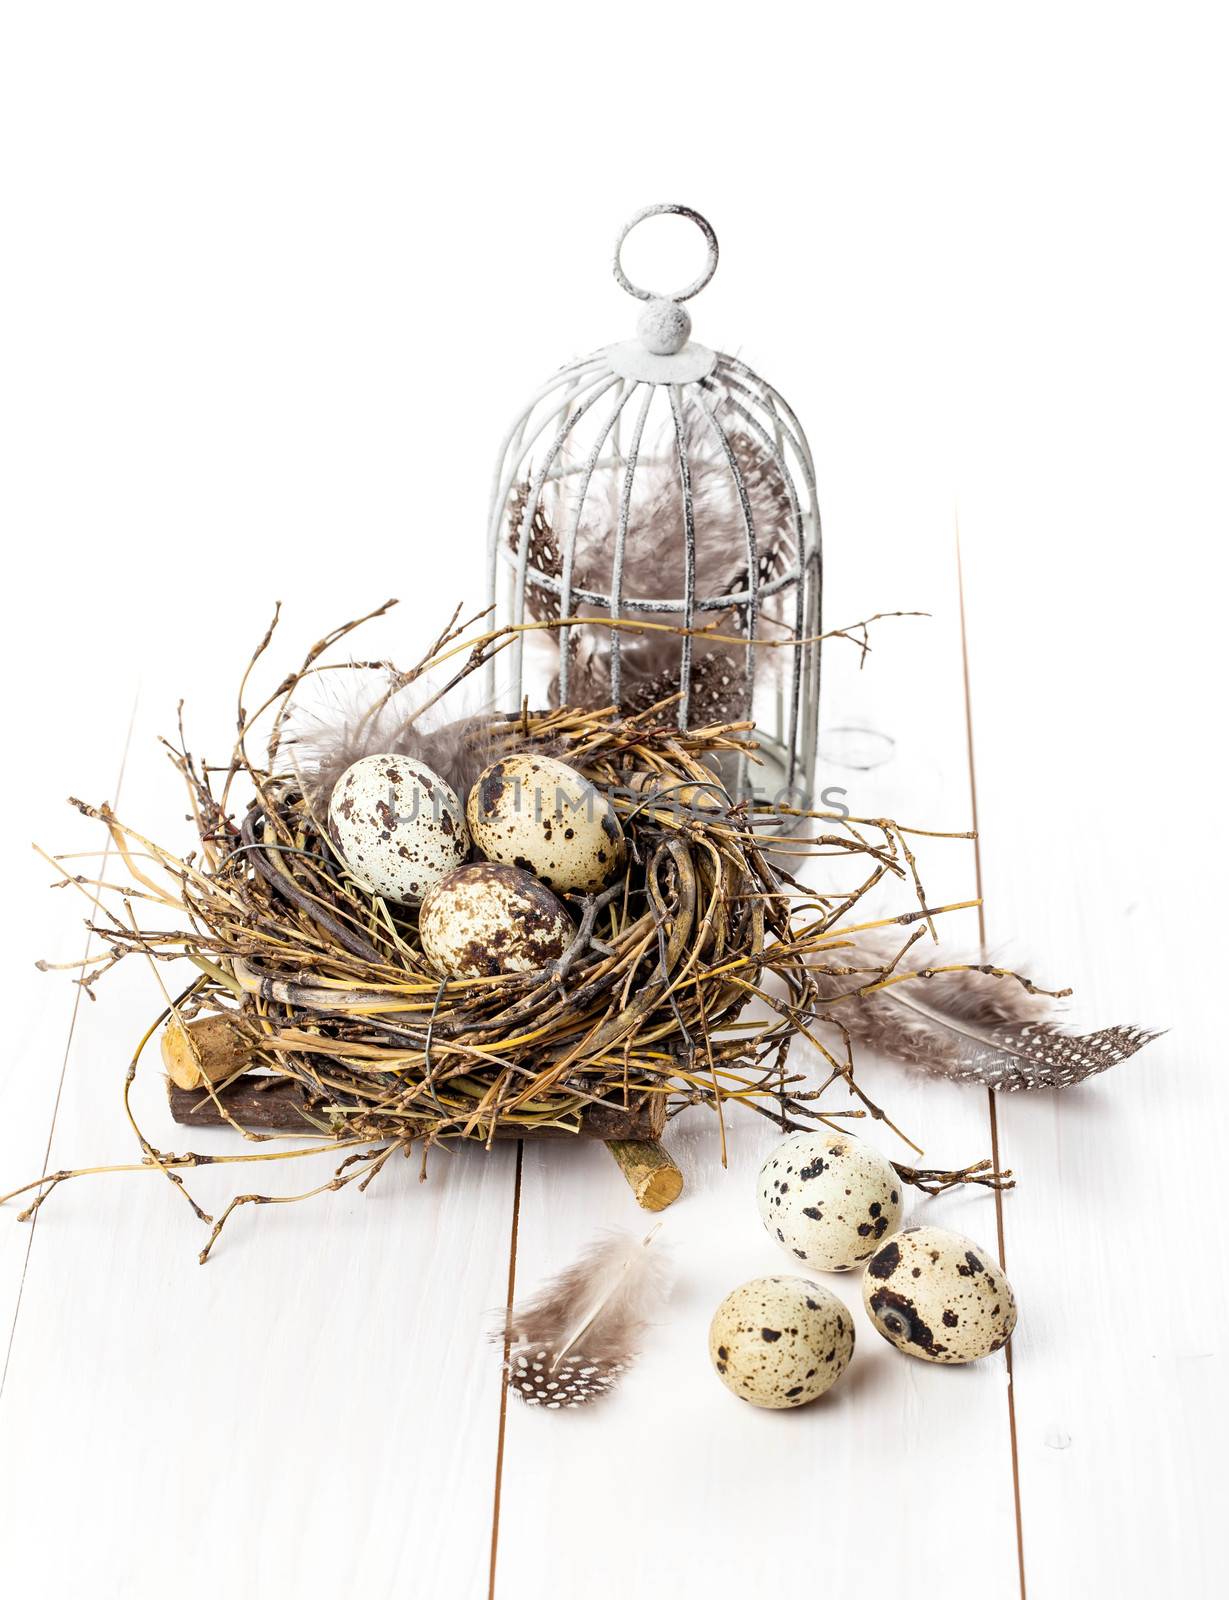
<point>485,919</point>
<point>780,1342</point>
<point>539,814</point>
<point>397,826</point>
<point>829,1199</point>
<point>939,1296</point>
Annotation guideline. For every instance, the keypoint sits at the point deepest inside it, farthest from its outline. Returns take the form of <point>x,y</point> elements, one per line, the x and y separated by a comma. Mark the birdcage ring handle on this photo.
<point>710,264</point>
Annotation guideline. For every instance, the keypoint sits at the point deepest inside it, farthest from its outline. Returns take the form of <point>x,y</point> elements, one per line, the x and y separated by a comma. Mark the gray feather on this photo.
<point>970,1026</point>
<point>367,718</point>
<point>575,1338</point>
<point>654,564</point>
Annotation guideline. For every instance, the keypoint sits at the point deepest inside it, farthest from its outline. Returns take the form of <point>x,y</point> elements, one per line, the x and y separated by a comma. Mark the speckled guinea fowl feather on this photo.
<point>1027,1055</point>
<point>970,1025</point>
<point>572,1342</point>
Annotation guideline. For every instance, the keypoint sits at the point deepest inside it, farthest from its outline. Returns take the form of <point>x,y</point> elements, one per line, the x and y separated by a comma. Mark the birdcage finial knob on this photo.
<point>664,327</point>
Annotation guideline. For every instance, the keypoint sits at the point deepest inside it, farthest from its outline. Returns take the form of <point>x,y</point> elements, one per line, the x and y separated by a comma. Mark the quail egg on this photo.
<point>487,918</point>
<point>780,1342</point>
<point>829,1199</point>
<point>397,826</point>
<point>539,814</point>
<point>938,1296</point>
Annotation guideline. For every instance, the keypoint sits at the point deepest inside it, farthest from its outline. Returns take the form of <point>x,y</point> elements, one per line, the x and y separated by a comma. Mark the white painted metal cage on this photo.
<point>663,481</point>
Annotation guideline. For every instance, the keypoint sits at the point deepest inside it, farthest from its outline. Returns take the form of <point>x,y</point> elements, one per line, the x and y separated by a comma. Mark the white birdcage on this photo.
<point>661,481</point>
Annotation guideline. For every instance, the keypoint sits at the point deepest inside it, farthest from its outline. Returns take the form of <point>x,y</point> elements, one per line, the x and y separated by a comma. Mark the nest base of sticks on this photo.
<point>202,1058</point>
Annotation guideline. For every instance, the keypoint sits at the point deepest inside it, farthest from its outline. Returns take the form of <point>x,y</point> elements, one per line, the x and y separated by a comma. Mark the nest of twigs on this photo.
<point>688,979</point>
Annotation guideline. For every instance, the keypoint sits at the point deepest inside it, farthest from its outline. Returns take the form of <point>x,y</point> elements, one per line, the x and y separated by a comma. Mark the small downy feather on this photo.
<point>575,1338</point>
<point>970,1026</point>
<point>369,718</point>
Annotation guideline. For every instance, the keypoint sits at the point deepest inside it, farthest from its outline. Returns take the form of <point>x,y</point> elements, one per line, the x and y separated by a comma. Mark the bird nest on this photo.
<point>687,980</point>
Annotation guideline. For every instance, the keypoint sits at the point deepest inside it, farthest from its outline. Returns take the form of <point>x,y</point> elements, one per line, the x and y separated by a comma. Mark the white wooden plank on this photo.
<point>1094,789</point>
<point>185,1412</point>
<point>731,1495</point>
<point>47,926</point>
<point>290,1417</point>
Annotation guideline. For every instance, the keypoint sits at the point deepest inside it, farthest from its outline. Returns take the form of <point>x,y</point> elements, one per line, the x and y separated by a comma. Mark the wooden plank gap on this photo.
<point>503,1385</point>
<point>68,1045</point>
<point>991,1103</point>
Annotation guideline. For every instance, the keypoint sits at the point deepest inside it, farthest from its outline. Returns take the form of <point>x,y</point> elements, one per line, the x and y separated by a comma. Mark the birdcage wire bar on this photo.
<point>571,429</point>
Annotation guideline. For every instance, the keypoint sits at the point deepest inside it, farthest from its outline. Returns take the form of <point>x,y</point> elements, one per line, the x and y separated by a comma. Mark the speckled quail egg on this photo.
<point>487,918</point>
<point>829,1199</point>
<point>539,814</point>
<point>779,1342</point>
<point>939,1296</point>
<point>397,826</point>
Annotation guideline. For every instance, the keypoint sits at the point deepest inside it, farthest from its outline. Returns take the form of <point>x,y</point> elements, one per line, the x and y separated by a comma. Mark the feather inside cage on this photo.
<point>666,482</point>
<point>653,560</point>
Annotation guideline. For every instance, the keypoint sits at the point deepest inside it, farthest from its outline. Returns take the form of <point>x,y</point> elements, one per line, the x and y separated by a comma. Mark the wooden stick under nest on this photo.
<point>259,1101</point>
<point>655,1180</point>
<point>268,1103</point>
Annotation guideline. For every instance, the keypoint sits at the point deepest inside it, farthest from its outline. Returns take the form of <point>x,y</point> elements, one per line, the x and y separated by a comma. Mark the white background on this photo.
<point>273,279</point>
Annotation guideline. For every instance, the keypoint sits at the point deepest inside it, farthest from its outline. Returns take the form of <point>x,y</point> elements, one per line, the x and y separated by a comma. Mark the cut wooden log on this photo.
<point>654,1179</point>
<point>206,1049</point>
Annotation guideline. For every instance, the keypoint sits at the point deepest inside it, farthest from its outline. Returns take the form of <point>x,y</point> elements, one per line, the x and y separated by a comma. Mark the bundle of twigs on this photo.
<point>687,980</point>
